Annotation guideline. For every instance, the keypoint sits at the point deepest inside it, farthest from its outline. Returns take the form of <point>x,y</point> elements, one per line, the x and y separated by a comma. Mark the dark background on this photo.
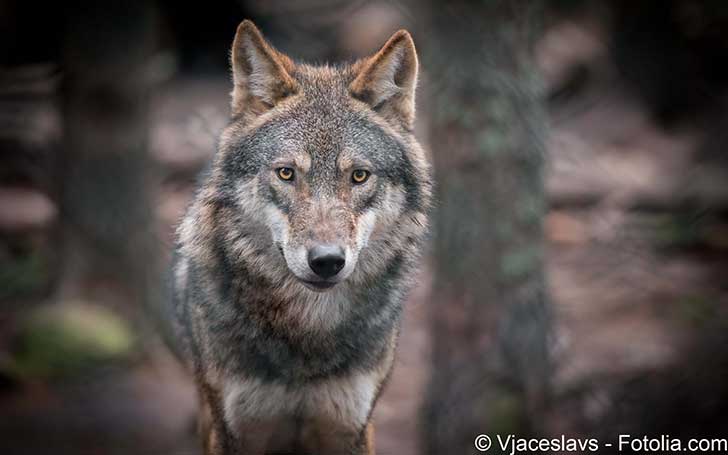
<point>605,122</point>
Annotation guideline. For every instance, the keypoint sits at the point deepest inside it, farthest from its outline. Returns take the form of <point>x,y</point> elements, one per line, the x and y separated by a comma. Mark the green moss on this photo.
<point>499,110</point>
<point>521,261</point>
<point>530,209</point>
<point>506,414</point>
<point>65,339</point>
<point>491,143</point>
<point>503,228</point>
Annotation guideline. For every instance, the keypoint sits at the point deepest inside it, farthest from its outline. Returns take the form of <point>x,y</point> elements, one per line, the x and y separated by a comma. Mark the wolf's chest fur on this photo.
<point>340,398</point>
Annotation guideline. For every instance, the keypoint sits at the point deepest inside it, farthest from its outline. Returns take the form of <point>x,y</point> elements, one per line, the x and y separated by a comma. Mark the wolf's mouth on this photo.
<point>319,285</point>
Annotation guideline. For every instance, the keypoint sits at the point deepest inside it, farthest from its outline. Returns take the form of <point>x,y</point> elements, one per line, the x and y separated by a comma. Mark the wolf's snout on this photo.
<point>326,260</point>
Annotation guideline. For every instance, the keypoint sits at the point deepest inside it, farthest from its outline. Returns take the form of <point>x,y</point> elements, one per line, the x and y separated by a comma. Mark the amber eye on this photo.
<point>285,173</point>
<point>359,176</point>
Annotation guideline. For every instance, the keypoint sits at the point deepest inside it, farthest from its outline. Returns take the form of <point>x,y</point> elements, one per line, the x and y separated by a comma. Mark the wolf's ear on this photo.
<point>388,79</point>
<point>261,75</point>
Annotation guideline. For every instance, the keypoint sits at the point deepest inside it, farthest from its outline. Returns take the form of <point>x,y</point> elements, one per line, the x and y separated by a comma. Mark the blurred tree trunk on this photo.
<point>491,319</point>
<point>105,182</point>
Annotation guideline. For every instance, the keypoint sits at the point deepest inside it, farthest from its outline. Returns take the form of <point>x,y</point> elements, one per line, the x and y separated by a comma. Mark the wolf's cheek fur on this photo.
<point>375,254</point>
<point>388,212</point>
<point>364,227</point>
<point>295,256</point>
<point>278,225</point>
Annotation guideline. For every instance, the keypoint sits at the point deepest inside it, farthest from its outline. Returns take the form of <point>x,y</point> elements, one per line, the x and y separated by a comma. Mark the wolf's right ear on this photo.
<point>261,75</point>
<point>387,81</point>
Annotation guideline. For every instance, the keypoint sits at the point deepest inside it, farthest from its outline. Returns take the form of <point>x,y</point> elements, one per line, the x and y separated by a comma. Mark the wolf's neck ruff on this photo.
<point>296,254</point>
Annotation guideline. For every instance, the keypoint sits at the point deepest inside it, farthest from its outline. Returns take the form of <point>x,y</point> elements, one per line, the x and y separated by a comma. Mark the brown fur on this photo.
<point>276,67</point>
<point>371,82</point>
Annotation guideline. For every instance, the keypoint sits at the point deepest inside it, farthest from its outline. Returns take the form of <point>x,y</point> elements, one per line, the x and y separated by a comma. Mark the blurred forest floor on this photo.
<point>637,257</point>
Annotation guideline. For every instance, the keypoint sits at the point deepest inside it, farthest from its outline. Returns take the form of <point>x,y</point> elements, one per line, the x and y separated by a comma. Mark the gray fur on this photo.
<point>244,319</point>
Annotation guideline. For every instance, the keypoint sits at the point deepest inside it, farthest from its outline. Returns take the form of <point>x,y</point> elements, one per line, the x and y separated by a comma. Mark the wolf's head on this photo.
<point>322,177</point>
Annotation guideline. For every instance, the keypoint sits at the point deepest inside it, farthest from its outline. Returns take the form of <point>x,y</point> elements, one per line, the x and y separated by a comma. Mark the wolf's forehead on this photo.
<point>316,129</point>
<point>322,125</point>
<point>330,80</point>
<point>318,124</point>
<point>330,134</point>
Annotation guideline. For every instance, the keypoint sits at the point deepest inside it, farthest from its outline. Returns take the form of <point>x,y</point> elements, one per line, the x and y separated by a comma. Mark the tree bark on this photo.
<point>105,207</point>
<point>490,311</point>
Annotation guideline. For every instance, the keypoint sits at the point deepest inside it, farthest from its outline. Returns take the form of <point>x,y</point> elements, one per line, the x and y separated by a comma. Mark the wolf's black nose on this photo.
<point>326,260</point>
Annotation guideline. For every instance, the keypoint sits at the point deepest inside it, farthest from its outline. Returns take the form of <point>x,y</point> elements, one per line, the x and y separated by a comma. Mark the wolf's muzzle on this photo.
<point>326,260</point>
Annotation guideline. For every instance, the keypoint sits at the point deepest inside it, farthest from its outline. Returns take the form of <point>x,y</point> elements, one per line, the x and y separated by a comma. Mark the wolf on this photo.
<point>294,257</point>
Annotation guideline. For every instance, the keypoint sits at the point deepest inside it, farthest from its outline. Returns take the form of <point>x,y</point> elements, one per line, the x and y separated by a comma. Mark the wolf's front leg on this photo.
<point>325,437</point>
<point>210,425</point>
<point>368,439</point>
<point>253,439</point>
<point>218,438</point>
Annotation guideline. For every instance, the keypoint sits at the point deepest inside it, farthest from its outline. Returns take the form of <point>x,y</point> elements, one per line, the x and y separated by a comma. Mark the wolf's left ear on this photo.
<point>261,75</point>
<point>387,80</point>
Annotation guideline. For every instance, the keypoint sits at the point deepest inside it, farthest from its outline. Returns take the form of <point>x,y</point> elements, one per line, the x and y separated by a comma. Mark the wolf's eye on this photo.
<point>285,173</point>
<point>359,176</point>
